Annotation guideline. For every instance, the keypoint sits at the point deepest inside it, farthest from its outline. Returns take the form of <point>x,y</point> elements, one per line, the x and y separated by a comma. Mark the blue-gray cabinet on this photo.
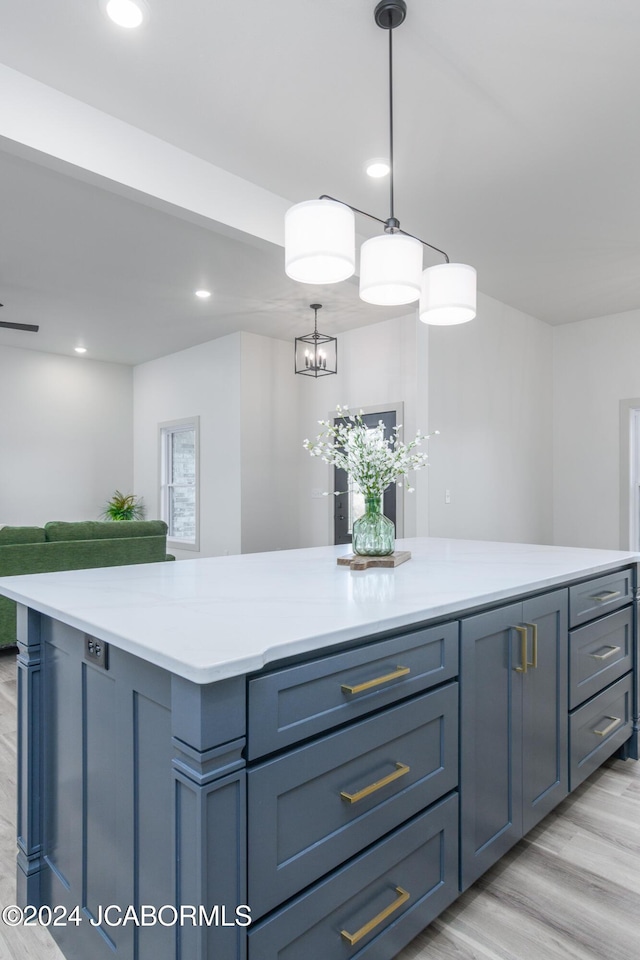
<point>599,653</point>
<point>598,728</point>
<point>343,798</point>
<point>320,798</point>
<point>373,906</point>
<point>513,723</point>
<point>290,705</point>
<point>600,595</point>
<point>603,648</point>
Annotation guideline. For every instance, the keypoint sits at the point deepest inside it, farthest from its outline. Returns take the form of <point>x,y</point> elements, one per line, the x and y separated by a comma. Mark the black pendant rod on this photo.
<point>391,213</point>
<point>389,14</point>
<point>325,196</point>
<point>315,307</point>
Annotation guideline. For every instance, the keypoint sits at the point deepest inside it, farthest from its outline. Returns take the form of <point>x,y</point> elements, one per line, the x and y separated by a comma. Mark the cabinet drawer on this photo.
<point>313,808</point>
<point>384,897</point>
<point>600,595</point>
<point>598,654</point>
<point>598,728</point>
<point>290,705</point>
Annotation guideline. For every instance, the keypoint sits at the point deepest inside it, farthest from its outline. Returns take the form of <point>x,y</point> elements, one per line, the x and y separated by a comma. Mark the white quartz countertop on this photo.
<point>223,616</point>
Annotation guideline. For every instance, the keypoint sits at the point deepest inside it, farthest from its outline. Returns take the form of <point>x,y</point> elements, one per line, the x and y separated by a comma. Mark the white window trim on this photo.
<point>163,428</point>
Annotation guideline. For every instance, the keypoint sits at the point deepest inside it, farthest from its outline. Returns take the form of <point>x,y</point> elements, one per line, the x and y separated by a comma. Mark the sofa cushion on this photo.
<point>22,535</point>
<point>103,530</point>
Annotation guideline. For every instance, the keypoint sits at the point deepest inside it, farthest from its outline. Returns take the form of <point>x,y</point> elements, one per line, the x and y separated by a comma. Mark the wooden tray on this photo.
<point>361,563</point>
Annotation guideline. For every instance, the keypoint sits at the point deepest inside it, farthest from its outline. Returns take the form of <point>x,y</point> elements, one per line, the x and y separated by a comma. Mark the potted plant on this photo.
<point>124,507</point>
<point>373,462</point>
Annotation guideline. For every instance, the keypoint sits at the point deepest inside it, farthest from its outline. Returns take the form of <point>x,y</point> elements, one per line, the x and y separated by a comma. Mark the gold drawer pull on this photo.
<point>523,650</point>
<point>615,722</point>
<point>605,656</point>
<point>359,687</point>
<point>401,769</point>
<point>353,938</point>
<point>534,630</point>
<point>610,595</point>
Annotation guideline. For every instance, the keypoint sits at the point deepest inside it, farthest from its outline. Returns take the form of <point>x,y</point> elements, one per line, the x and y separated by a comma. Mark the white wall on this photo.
<point>596,364</point>
<point>490,395</point>
<point>377,365</point>
<point>65,436</point>
<point>270,445</point>
<point>495,383</point>
<point>256,493</point>
<point>202,381</point>
<point>243,389</point>
<point>66,429</point>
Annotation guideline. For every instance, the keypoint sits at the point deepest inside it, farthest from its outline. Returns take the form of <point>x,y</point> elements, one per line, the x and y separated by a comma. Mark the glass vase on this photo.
<point>373,533</point>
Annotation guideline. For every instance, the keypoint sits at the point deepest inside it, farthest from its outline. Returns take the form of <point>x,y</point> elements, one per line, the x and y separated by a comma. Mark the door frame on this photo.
<point>629,473</point>
<point>398,409</point>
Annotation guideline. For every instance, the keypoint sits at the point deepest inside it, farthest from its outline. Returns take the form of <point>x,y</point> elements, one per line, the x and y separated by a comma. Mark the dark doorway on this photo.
<point>349,506</point>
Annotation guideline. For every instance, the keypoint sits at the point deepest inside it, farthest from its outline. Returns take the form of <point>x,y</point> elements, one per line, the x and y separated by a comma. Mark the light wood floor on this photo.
<point>569,891</point>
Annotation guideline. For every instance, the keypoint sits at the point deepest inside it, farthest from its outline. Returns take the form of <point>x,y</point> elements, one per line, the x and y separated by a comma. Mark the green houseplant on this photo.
<point>124,507</point>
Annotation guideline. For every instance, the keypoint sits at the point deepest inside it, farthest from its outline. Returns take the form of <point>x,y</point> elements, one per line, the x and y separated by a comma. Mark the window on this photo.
<point>179,494</point>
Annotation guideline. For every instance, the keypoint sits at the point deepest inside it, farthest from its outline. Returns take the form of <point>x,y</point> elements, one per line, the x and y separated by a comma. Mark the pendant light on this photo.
<point>316,354</point>
<point>320,241</point>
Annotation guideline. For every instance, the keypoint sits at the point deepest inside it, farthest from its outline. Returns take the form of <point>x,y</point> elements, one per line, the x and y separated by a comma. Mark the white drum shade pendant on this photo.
<point>319,242</point>
<point>390,269</point>
<point>448,294</point>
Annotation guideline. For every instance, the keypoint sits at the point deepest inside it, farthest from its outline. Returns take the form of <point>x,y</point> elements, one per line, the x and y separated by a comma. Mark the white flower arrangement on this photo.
<point>370,459</point>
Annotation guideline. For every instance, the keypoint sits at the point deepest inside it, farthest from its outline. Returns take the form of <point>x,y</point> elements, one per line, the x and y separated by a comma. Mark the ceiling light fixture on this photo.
<point>203,294</point>
<point>127,13</point>
<point>320,241</point>
<point>316,354</point>
<point>80,349</point>
<point>377,168</point>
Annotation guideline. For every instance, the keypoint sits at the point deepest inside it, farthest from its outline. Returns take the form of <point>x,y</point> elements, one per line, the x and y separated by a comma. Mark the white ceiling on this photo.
<point>117,276</point>
<point>517,150</point>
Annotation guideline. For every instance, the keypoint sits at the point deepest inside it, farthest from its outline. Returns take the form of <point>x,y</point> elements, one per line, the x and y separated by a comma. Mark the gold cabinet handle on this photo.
<point>400,771</point>
<point>615,722</point>
<point>534,631</point>
<point>359,687</point>
<point>605,656</point>
<point>379,918</point>
<point>610,595</point>
<point>523,650</point>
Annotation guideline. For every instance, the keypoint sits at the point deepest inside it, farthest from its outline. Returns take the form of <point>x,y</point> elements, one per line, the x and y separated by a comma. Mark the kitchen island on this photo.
<point>332,755</point>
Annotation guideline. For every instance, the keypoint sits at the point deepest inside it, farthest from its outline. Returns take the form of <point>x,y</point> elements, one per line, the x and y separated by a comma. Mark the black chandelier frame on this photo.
<point>316,354</point>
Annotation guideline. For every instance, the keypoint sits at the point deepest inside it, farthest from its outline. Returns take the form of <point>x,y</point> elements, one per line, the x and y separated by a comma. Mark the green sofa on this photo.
<point>75,546</point>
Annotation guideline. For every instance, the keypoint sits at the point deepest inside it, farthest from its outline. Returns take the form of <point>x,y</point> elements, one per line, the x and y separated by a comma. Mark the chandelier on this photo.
<point>320,241</point>
<point>316,354</point>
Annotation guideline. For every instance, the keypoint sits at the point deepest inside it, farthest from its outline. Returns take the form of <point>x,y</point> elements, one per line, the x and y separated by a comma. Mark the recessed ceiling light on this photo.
<point>80,349</point>
<point>127,13</point>
<point>377,168</point>
<point>203,294</point>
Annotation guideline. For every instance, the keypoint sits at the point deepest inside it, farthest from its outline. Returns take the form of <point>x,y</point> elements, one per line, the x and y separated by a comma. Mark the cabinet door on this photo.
<point>544,706</point>
<point>491,738</point>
